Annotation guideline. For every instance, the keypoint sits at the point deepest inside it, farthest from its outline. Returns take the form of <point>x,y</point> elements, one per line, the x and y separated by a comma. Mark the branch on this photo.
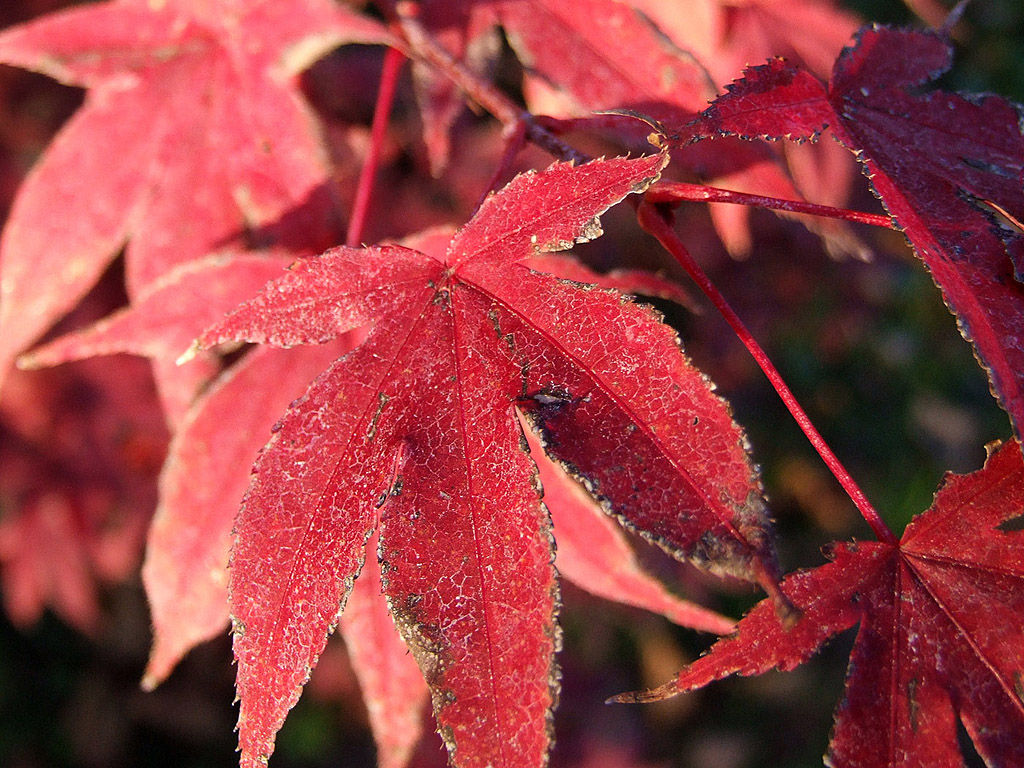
<point>677,192</point>
<point>423,46</point>
<point>393,59</point>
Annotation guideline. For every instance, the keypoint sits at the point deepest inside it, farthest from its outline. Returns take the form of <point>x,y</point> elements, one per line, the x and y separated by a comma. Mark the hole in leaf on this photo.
<point>971,757</point>
<point>1012,525</point>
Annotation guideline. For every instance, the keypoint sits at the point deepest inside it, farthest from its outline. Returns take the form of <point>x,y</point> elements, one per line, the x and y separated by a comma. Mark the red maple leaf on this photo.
<point>590,67</point>
<point>208,470</point>
<point>948,168</point>
<point>417,425</point>
<point>209,460</point>
<point>205,477</point>
<point>192,132</point>
<point>931,646</point>
<point>593,552</point>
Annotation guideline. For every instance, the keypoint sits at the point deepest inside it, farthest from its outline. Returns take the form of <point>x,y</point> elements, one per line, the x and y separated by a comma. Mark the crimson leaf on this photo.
<point>948,168</point>
<point>928,649</point>
<point>417,425</point>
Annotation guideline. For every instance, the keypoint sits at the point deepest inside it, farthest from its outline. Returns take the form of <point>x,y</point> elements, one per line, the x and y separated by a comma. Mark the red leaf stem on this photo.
<point>393,59</point>
<point>659,224</point>
<point>677,192</point>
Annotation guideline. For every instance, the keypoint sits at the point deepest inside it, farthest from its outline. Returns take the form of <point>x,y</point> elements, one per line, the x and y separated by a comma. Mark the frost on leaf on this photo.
<point>416,427</point>
<point>593,552</point>
<point>928,650</point>
<point>204,478</point>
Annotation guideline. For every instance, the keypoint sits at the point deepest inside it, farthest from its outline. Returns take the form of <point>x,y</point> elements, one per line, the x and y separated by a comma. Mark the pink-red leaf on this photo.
<point>198,103</point>
<point>635,281</point>
<point>165,318</point>
<point>418,425</point>
<point>593,66</point>
<point>726,35</point>
<point>929,648</point>
<point>392,684</point>
<point>203,481</point>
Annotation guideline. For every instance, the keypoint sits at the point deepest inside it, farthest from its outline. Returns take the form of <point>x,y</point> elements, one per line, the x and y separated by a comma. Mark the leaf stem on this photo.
<point>393,59</point>
<point>677,191</point>
<point>658,222</point>
<point>515,140</point>
<point>508,113</point>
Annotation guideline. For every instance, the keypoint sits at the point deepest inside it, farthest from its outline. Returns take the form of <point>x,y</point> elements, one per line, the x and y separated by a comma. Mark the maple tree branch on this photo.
<point>423,46</point>
<point>393,59</point>
<point>677,192</point>
<point>658,222</point>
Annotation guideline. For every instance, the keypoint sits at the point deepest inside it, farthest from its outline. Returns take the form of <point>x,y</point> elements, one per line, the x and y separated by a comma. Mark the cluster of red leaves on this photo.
<point>460,377</point>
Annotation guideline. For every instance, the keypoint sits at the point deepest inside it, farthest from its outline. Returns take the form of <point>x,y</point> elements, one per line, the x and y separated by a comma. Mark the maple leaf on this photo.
<point>207,472</point>
<point>593,552</point>
<point>418,421</point>
<point>203,480</point>
<point>164,319</point>
<point>634,281</point>
<point>205,477</point>
<point>594,66</point>
<point>199,104</point>
<point>391,682</point>
<point>930,647</point>
<point>185,572</point>
<point>947,167</point>
<point>591,68</point>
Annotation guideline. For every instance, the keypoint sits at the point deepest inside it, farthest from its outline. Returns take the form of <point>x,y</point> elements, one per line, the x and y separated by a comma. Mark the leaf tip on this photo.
<point>28,362</point>
<point>149,682</point>
<point>662,692</point>
<point>188,354</point>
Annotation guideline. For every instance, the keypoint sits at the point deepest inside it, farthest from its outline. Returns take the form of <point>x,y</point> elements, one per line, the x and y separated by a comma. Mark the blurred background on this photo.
<point>867,346</point>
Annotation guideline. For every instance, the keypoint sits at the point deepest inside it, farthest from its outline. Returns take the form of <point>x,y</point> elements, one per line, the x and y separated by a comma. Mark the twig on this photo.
<point>423,46</point>
<point>676,191</point>
<point>393,59</point>
<point>515,140</point>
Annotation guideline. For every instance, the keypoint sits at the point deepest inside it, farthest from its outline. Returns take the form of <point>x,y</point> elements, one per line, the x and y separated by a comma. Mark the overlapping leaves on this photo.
<point>413,435</point>
<point>407,449</point>
<point>192,133</point>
